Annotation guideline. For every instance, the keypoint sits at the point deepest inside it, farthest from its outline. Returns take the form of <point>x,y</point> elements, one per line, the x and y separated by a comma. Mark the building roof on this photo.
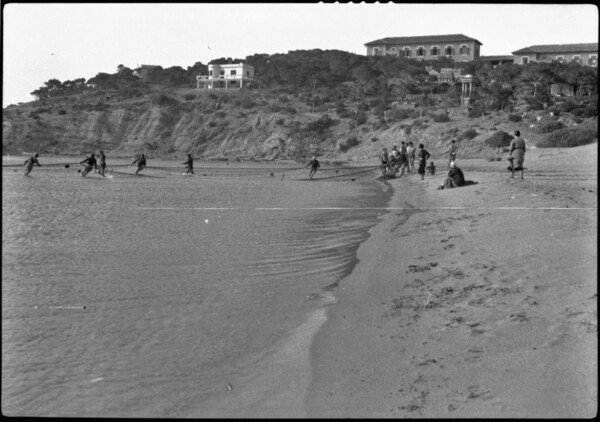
<point>558,48</point>
<point>425,39</point>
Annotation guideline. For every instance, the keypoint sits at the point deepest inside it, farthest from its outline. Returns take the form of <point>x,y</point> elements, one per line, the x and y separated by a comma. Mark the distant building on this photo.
<point>457,47</point>
<point>496,60</point>
<point>584,54</point>
<point>445,75</point>
<point>231,75</point>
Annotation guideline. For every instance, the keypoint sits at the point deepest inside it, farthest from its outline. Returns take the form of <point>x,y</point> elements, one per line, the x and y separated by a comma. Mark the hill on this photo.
<point>338,105</point>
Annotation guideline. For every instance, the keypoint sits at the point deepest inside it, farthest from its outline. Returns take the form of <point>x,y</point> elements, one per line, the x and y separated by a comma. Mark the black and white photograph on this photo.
<point>299,210</point>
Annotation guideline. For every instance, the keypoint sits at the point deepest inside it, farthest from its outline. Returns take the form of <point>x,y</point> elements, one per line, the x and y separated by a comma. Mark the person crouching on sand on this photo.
<point>314,166</point>
<point>30,162</point>
<point>141,162</point>
<point>455,178</point>
<point>88,164</point>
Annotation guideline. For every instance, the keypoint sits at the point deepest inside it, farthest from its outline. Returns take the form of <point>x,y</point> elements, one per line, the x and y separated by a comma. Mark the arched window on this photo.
<point>434,50</point>
<point>420,51</point>
<point>406,52</point>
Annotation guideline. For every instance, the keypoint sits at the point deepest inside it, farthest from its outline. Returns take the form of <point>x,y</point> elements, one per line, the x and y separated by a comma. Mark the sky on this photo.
<point>67,41</point>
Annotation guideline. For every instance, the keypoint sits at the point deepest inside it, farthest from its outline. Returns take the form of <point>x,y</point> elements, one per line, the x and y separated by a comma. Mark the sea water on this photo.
<point>157,296</point>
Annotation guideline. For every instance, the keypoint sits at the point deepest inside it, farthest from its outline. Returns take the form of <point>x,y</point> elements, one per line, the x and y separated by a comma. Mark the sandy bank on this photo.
<point>471,302</point>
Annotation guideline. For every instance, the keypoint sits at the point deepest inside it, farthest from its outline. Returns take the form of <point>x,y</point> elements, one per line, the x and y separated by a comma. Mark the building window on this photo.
<point>576,59</point>
<point>406,52</point>
<point>560,59</point>
<point>593,60</point>
<point>449,50</point>
<point>233,72</point>
<point>376,51</point>
<point>524,60</point>
<point>464,49</point>
<point>420,51</point>
<point>210,72</point>
<point>247,73</point>
<point>434,50</point>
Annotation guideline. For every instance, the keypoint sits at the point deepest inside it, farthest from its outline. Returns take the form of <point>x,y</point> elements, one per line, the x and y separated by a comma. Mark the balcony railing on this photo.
<point>221,77</point>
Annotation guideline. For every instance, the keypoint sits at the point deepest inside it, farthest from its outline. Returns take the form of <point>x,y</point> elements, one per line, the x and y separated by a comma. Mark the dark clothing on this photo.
<point>455,179</point>
<point>31,161</point>
<point>314,164</point>
<point>102,160</point>
<point>90,161</point>
<point>29,164</point>
<point>423,156</point>
<point>189,164</point>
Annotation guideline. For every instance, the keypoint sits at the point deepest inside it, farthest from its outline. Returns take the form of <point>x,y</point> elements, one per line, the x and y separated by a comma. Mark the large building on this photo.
<point>457,47</point>
<point>231,75</point>
<point>585,54</point>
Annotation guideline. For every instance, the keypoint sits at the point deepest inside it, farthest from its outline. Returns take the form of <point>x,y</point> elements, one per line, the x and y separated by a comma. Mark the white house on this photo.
<point>231,75</point>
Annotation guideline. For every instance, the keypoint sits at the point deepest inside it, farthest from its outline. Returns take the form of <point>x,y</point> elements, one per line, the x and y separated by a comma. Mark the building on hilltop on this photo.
<point>446,75</point>
<point>496,60</point>
<point>457,47</point>
<point>584,54</point>
<point>231,75</point>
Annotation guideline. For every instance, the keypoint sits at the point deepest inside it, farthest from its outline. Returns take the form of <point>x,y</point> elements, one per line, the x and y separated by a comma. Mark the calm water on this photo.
<point>150,296</point>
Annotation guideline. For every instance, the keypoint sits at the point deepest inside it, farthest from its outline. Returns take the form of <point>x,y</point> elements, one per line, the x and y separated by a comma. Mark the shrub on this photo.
<point>569,137</point>
<point>189,97</point>
<point>163,100</point>
<point>467,135</point>
<point>62,112</point>
<point>399,114</point>
<point>475,112</point>
<point>591,110</point>
<point>344,146</point>
<point>441,118</point>
<point>515,118</point>
<point>280,121</point>
<point>548,126</point>
<point>361,118</point>
<point>323,123</point>
<point>499,139</point>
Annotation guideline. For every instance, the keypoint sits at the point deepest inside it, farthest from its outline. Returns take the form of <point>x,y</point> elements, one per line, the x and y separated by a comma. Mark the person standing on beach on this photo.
<point>423,156</point>
<point>516,152</point>
<point>403,159</point>
<point>314,166</point>
<point>410,151</point>
<point>384,158</point>
<point>141,162</point>
<point>88,164</point>
<point>102,170</point>
<point>30,162</point>
<point>189,164</point>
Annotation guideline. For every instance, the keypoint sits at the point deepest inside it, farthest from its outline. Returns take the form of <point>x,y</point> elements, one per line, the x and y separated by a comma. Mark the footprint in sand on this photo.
<point>475,354</point>
<point>478,392</point>
<point>519,317</point>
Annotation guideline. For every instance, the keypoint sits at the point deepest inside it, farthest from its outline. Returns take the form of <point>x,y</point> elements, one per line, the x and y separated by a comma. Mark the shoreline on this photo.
<point>478,301</point>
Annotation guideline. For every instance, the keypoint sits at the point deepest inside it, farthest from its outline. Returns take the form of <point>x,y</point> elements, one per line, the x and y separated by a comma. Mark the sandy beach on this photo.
<point>473,302</point>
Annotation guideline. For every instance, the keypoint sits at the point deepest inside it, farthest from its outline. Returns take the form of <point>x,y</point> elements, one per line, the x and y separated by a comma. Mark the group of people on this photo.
<point>403,160</point>
<point>397,161</point>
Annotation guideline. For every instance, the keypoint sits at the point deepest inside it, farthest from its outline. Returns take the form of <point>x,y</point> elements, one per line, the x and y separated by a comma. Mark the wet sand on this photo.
<point>473,302</point>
